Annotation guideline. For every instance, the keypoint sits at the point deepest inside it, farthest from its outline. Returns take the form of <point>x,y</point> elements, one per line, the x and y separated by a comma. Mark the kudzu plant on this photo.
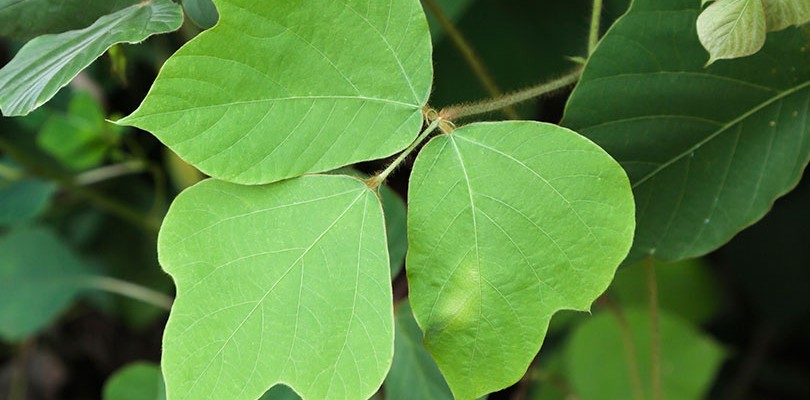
<point>281,263</point>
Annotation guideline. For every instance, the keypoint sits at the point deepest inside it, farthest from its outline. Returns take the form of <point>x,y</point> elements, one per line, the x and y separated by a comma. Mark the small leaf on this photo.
<point>202,12</point>
<point>509,223</point>
<point>414,375</point>
<point>598,367</point>
<point>48,63</point>
<point>280,392</point>
<point>39,278</point>
<point>780,14</point>
<point>24,19</point>
<point>136,381</point>
<point>80,138</point>
<point>708,150</point>
<point>23,199</point>
<point>236,103</point>
<point>732,28</point>
<point>284,283</point>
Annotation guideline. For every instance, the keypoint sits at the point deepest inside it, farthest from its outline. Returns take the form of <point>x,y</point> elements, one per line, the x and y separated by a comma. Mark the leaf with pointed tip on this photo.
<point>136,381</point>
<point>732,28</point>
<point>508,223</point>
<point>780,14</point>
<point>39,278</point>
<point>279,89</point>
<point>284,283</point>
<point>414,375</point>
<point>48,63</point>
<point>708,150</point>
<point>24,19</point>
<point>597,366</point>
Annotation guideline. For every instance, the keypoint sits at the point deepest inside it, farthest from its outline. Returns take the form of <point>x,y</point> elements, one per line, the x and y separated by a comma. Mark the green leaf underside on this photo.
<point>39,277</point>
<point>23,19</point>
<point>414,375</point>
<point>598,368</point>
<point>508,223</point>
<point>48,63</point>
<point>279,89</point>
<point>732,28</point>
<point>136,381</point>
<point>707,150</point>
<point>285,283</point>
<point>780,14</point>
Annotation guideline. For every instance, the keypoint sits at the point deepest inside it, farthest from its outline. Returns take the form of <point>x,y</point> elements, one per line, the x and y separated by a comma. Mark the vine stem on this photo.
<point>489,105</point>
<point>629,347</point>
<point>110,172</point>
<point>655,332</point>
<point>377,180</point>
<point>469,54</point>
<point>123,211</point>
<point>131,290</point>
<point>596,16</point>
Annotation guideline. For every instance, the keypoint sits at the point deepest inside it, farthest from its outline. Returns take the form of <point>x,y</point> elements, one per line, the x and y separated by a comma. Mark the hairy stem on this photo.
<point>131,290</point>
<point>655,333</point>
<point>377,180</point>
<point>486,106</point>
<point>596,16</point>
<point>123,211</point>
<point>469,54</point>
<point>629,347</point>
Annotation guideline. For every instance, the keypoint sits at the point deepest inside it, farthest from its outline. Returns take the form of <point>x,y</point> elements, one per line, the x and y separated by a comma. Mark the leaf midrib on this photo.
<point>720,131</point>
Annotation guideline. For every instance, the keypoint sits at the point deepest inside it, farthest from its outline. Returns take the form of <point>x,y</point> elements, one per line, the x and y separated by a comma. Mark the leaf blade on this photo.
<point>337,111</point>
<point>491,259</point>
<point>341,340</point>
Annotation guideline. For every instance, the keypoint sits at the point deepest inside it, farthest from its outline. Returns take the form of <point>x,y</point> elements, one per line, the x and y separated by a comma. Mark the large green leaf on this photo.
<point>414,375</point>
<point>598,366</point>
<point>39,277</point>
<point>508,223</point>
<point>23,19</point>
<point>708,150</point>
<point>48,63</point>
<point>136,381</point>
<point>732,28</point>
<point>278,89</point>
<point>283,283</point>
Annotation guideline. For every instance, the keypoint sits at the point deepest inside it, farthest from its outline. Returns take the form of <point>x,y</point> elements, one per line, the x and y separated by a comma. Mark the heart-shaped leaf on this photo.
<point>284,283</point>
<point>279,89</point>
<point>508,223</point>
<point>48,63</point>
<point>708,150</point>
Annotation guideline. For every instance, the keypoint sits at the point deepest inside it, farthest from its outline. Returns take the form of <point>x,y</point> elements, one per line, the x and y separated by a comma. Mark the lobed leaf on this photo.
<point>509,223</point>
<point>279,89</point>
<point>708,150</point>
<point>48,63</point>
<point>285,283</point>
